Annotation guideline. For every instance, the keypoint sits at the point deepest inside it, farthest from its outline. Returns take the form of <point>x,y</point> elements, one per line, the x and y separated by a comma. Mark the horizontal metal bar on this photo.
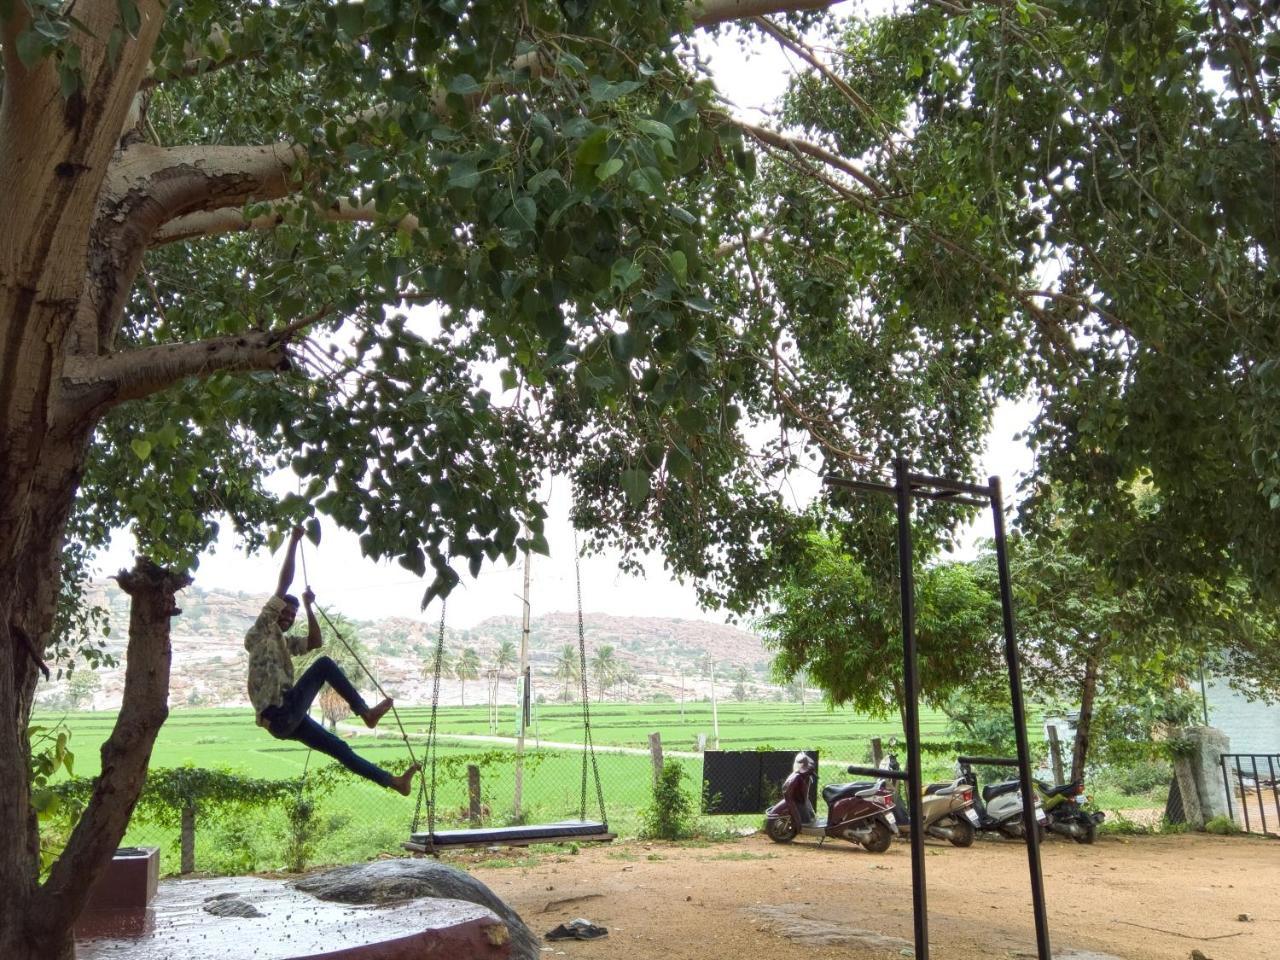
<point>877,772</point>
<point>946,496</point>
<point>866,486</point>
<point>945,483</point>
<point>987,761</point>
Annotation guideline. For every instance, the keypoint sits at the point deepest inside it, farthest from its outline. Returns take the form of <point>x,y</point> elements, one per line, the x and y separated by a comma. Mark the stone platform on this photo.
<point>250,918</point>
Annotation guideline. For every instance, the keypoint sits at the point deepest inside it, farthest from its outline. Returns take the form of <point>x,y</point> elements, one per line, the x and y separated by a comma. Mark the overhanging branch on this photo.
<point>92,385</point>
<point>208,223</point>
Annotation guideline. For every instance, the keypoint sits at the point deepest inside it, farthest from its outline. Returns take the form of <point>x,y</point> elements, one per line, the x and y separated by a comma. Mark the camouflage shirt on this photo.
<point>271,656</point>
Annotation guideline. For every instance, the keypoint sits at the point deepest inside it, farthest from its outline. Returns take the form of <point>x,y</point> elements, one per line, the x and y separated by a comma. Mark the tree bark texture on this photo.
<point>1088,690</point>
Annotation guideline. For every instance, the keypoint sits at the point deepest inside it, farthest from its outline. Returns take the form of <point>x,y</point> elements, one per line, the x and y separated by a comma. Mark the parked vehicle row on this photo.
<point>870,812</point>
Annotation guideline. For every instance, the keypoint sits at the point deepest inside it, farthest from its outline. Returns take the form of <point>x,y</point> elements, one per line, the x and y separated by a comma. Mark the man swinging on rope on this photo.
<point>282,705</point>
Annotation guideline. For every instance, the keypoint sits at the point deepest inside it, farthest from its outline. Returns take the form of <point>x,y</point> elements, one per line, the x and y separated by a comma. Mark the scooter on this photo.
<point>859,812</point>
<point>999,805</point>
<point>947,808</point>
<point>1065,812</point>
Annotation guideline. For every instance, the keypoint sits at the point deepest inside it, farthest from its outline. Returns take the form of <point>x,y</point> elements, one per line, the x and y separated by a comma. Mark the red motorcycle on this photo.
<point>859,812</point>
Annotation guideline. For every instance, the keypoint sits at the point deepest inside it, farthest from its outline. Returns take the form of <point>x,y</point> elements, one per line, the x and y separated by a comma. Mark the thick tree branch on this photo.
<point>795,145</point>
<point>146,186</point>
<point>126,753</point>
<point>91,385</point>
<point>209,223</point>
<point>709,13</point>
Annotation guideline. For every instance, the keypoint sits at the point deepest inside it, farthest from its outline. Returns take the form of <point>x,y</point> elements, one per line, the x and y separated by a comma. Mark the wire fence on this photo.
<point>279,819</point>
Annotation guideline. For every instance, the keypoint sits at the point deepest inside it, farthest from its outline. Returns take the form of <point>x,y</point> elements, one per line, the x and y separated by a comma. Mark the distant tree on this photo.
<point>838,619</point>
<point>741,678</point>
<point>82,686</point>
<point>466,667</point>
<point>568,668</point>
<point>604,669</point>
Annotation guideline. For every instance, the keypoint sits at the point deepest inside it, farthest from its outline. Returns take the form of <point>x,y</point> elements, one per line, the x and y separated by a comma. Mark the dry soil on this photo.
<point>1139,898</point>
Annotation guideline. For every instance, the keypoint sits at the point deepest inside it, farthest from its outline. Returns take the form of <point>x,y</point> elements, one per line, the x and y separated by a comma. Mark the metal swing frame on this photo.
<point>581,830</point>
<point>907,486</point>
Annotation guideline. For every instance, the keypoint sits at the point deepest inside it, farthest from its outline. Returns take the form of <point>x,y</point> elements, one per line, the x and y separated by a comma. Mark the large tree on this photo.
<point>215,217</point>
<point>1082,199</point>
<point>837,619</point>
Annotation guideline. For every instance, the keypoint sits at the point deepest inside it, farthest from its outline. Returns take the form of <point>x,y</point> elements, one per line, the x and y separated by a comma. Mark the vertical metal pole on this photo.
<point>1029,824</point>
<point>1275,788</point>
<point>1226,783</point>
<point>1257,787</point>
<point>911,687</point>
<point>1204,694</point>
<point>522,704</point>
<point>1244,797</point>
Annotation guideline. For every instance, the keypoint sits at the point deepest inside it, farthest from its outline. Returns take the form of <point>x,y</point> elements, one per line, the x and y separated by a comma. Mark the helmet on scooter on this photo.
<point>803,763</point>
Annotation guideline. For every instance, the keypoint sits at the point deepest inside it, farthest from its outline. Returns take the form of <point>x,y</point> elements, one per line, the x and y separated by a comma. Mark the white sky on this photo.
<point>348,583</point>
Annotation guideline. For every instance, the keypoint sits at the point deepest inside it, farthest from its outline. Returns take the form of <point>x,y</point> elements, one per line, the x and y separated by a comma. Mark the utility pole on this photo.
<point>715,717</point>
<point>522,701</point>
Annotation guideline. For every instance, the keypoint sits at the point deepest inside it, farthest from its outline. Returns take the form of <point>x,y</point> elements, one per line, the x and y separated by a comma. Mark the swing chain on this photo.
<point>588,744</point>
<point>431,743</point>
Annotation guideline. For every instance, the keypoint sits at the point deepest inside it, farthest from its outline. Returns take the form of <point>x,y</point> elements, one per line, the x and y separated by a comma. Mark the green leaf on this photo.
<point>679,265</point>
<point>593,149</point>
<point>635,483</point>
<point>464,84</point>
<point>463,174</point>
<point>313,530</point>
<point>31,48</point>
<point>129,16</point>
<point>141,448</point>
<point>656,128</point>
<point>608,168</point>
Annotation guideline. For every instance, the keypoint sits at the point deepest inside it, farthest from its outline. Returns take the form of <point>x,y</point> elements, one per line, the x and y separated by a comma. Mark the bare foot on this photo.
<point>403,784</point>
<point>377,713</point>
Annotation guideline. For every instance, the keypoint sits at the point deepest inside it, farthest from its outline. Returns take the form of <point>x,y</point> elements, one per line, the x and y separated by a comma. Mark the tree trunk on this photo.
<point>37,921</point>
<point>1080,752</point>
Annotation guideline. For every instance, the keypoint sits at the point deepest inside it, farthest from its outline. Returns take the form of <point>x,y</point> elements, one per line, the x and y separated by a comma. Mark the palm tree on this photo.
<point>604,668</point>
<point>466,667</point>
<point>429,663</point>
<point>503,659</point>
<point>568,668</point>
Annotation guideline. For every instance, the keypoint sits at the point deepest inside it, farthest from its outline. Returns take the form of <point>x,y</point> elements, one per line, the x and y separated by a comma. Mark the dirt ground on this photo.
<point>1138,898</point>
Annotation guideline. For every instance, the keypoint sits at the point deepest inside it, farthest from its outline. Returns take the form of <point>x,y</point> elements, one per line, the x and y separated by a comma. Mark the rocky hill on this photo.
<point>654,655</point>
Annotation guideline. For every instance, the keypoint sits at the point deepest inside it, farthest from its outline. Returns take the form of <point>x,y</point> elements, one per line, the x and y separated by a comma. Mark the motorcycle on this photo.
<point>947,809</point>
<point>1065,812</point>
<point>998,806</point>
<point>860,812</point>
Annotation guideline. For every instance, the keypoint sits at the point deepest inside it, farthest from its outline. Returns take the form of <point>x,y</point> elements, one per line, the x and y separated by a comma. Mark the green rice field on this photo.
<point>360,820</point>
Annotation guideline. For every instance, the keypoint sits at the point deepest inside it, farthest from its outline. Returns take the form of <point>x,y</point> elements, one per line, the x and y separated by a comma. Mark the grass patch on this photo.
<point>1223,826</point>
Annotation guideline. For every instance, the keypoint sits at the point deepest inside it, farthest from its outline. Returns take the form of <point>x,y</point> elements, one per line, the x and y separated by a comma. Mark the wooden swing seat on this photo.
<point>588,831</point>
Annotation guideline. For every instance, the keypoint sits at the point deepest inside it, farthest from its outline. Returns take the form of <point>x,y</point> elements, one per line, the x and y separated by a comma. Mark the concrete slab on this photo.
<point>291,926</point>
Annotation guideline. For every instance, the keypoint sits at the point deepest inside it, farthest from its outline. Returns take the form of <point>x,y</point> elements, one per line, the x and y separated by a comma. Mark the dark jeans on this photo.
<point>290,721</point>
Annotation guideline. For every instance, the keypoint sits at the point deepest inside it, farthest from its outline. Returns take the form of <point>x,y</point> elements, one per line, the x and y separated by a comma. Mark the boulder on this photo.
<point>231,905</point>
<point>394,881</point>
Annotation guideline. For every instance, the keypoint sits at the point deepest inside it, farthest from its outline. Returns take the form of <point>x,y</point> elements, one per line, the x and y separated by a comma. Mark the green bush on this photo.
<point>1222,825</point>
<point>670,816</point>
<point>1119,826</point>
<point>1138,778</point>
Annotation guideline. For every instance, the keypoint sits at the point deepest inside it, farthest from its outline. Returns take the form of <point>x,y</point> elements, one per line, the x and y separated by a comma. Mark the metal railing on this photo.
<point>1250,782</point>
